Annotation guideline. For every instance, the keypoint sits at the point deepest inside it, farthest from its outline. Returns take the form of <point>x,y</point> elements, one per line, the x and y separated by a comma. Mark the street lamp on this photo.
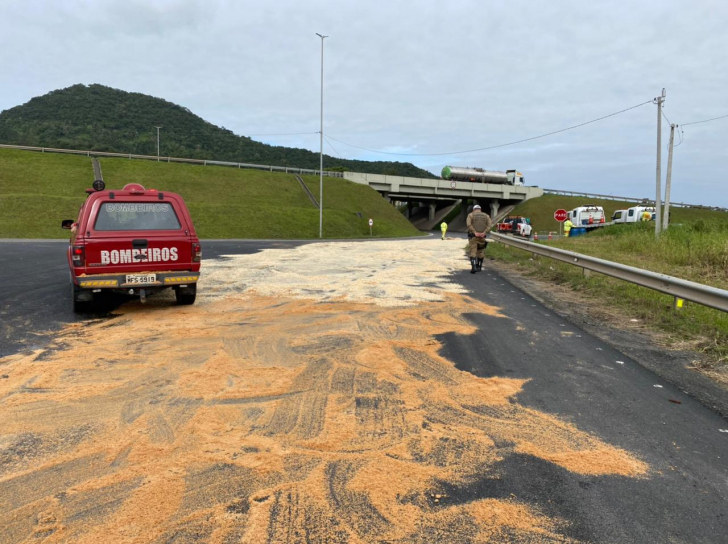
<point>321,154</point>
<point>157,142</point>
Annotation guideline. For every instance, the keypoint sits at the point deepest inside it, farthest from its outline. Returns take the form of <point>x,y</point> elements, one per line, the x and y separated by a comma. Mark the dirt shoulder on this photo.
<point>690,370</point>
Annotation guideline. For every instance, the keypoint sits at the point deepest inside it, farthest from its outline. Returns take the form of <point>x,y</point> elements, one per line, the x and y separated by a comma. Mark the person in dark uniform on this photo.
<point>479,224</point>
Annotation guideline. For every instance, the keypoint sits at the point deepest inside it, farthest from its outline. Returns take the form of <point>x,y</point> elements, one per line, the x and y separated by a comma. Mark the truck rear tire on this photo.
<point>79,306</point>
<point>186,295</point>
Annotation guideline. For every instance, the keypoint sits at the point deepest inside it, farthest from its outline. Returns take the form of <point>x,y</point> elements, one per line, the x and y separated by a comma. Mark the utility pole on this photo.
<point>158,142</point>
<point>321,153</point>
<point>668,181</point>
<point>658,193</point>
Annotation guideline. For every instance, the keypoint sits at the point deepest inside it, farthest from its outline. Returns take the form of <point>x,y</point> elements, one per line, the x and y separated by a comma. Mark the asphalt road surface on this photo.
<point>35,299</point>
<point>675,491</point>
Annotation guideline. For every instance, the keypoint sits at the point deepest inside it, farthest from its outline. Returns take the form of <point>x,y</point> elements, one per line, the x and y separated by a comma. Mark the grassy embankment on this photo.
<point>696,251</point>
<point>38,190</point>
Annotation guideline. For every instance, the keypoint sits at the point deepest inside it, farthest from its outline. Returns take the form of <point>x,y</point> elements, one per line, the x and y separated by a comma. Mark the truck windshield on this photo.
<point>136,216</point>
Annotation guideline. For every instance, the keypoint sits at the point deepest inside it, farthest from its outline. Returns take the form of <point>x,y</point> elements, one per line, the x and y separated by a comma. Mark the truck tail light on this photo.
<point>78,255</point>
<point>196,253</point>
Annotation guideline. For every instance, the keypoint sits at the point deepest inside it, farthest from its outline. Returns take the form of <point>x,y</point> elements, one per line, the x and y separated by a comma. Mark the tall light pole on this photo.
<point>321,154</point>
<point>658,195</point>
<point>157,142</point>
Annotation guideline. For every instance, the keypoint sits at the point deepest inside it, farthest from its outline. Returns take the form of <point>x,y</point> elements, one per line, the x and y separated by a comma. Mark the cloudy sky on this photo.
<point>418,77</point>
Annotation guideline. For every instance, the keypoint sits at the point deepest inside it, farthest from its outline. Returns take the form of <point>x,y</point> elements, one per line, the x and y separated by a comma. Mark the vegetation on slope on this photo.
<point>100,118</point>
<point>37,191</point>
<point>696,251</point>
<point>541,210</point>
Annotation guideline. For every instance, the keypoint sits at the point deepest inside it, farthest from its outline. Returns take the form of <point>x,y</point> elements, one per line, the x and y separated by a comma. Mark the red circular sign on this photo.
<point>561,215</point>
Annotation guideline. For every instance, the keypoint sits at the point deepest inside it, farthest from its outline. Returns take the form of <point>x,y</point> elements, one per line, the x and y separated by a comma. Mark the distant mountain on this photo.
<point>100,118</point>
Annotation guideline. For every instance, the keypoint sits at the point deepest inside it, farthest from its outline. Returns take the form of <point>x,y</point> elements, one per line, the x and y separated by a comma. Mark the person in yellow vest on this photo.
<point>567,227</point>
<point>443,228</point>
<point>646,216</point>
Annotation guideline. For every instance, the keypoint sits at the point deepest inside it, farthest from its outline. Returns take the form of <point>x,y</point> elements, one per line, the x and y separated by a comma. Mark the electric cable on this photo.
<point>705,120</point>
<point>680,133</point>
<point>332,147</point>
<point>493,146</point>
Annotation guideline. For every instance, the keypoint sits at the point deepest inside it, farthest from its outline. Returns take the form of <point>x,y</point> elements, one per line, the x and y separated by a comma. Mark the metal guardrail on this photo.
<point>307,191</point>
<point>645,201</point>
<point>684,289</point>
<point>88,153</point>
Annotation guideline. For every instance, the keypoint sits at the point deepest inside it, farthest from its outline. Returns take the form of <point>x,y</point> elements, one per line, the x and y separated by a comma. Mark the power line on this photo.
<point>705,120</point>
<point>666,119</point>
<point>492,146</point>
<point>680,133</point>
<point>332,147</point>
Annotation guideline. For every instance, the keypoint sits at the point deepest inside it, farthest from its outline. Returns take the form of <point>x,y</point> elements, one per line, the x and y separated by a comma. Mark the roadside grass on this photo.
<point>38,190</point>
<point>696,252</point>
<point>541,211</point>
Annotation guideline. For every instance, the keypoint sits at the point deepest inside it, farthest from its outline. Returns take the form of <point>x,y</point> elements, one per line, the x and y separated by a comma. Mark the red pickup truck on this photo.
<point>135,241</point>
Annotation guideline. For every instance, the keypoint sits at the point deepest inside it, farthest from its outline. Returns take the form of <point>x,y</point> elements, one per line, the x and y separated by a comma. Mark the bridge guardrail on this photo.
<point>679,288</point>
<point>204,162</point>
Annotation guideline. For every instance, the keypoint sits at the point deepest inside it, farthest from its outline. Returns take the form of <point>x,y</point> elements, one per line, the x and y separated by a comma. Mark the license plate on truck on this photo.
<point>140,279</point>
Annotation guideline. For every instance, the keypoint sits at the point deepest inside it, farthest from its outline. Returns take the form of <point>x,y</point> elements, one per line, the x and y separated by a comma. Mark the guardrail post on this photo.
<point>587,272</point>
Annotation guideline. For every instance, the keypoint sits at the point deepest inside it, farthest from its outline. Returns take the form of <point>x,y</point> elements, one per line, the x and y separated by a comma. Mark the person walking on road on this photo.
<point>567,227</point>
<point>479,224</point>
<point>443,228</point>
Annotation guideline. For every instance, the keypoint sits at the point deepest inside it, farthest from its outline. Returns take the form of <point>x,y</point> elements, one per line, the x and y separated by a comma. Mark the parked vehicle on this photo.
<point>620,216</point>
<point>459,173</point>
<point>587,216</point>
<point>136,241</point>
<point>515,224</point>
<point>635,213</point>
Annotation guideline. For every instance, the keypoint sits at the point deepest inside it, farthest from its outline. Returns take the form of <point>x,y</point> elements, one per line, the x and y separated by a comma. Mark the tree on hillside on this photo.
<point>100,118</point>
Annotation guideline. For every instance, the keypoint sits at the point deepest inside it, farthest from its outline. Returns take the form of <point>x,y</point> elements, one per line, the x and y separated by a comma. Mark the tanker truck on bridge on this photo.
<point>479,175</point>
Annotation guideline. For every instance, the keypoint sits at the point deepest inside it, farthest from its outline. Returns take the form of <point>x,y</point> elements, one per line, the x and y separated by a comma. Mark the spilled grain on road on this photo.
<point>292,406</point>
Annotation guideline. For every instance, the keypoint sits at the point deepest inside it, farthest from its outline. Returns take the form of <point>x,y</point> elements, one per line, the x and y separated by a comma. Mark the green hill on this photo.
<point>38,190</point>
<point>100,118</point>
<point>541,210</point>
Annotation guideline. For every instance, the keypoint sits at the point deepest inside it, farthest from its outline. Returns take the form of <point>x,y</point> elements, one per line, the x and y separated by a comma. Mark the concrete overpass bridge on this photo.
<point>434,192</point>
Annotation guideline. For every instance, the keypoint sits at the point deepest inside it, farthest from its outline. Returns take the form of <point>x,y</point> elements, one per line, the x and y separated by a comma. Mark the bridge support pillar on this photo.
<point>408,213</point>
<point>464,208</point>
<point>431,212</point>
<point>494,209</point>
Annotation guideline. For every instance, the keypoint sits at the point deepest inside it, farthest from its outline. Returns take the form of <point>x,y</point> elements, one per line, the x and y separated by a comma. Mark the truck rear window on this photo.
<point>136,216</point>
